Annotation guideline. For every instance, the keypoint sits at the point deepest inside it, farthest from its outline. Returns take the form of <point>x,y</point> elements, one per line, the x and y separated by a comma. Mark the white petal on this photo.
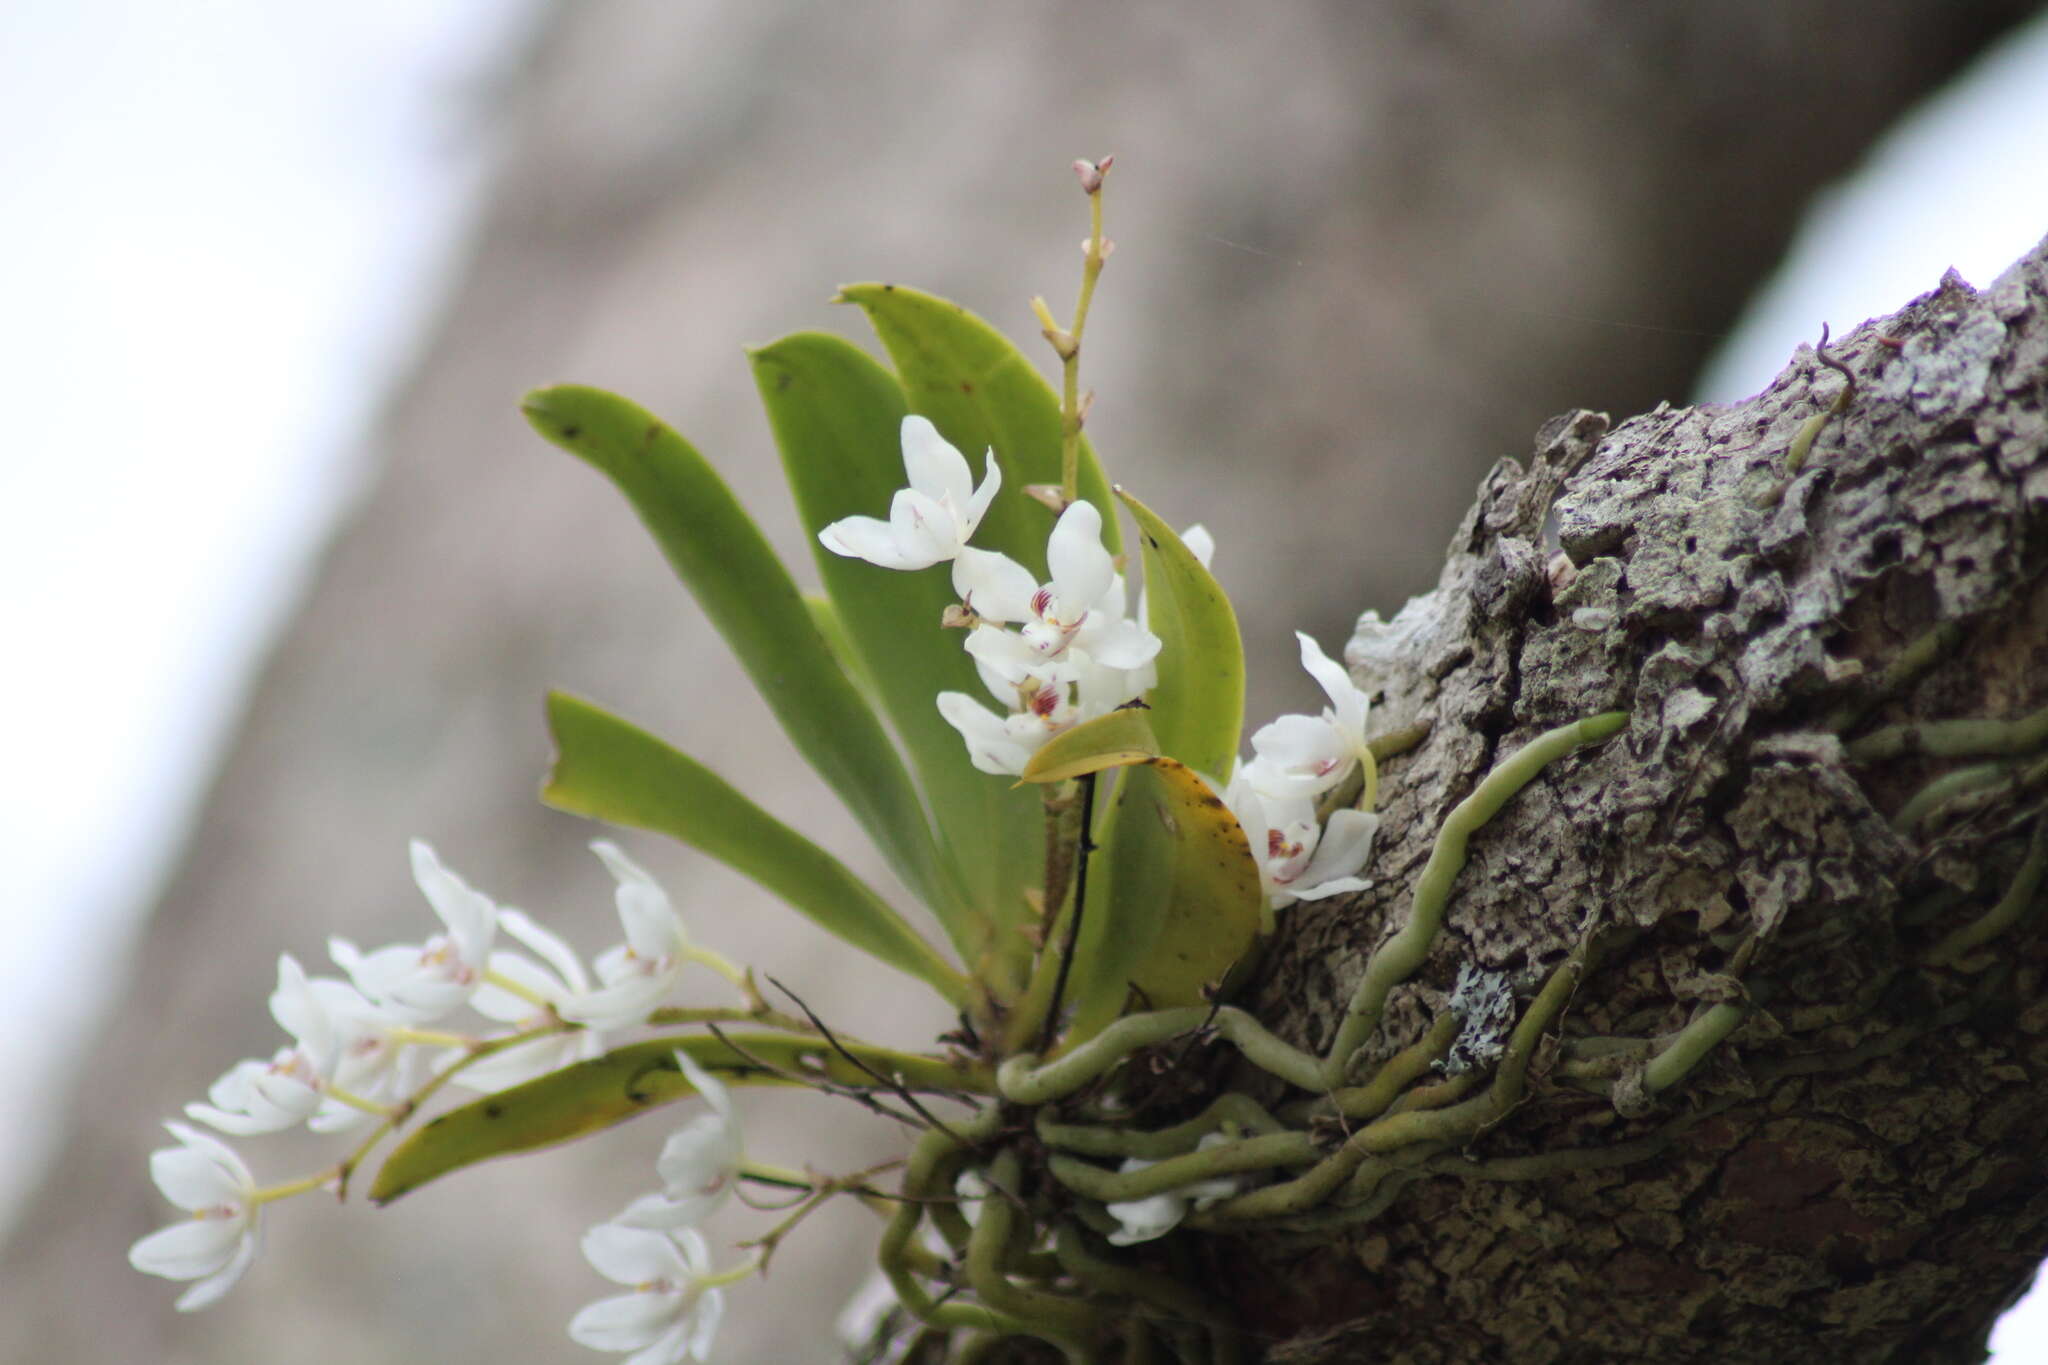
<point>672,1348</point>
<point>1081,569</point>
<point>204,1173</point>
<point>1346,700</point>
<point>1200,543</point>
<point>546,945</point>
<point>221,1281</point>
<point>1336,886</point>
<point>187,1250</point>
<point>871,539</point>
<point>699,1165</point>
<point>624,1004</point>
<point>624,1323</point>
<point>528,1061</point>
<point>696,1252</point>
<point>995,585</point>
<point>1343,850</point>
<point>1144,1219</point>
<point>1111,604</point>
<point>633,1255</point>
<point>991,481</point>
<point>704,1083</point>
<point>277,1099</point>
<point>935,468</point>
<point>653,929</point>
<point>1102,690</point>
<point>1121,644</point>
<point>660,1213</point>
<point>418,984</point>
<point>299,1011</point>
<point>345,954</point>
<point>509,1007</point>
<point>710,1311</point>
<point>1298,756</point>
<point>1003,654</point>
<point>926,529</point>
<point>989,744</point>
<point>471,916</point>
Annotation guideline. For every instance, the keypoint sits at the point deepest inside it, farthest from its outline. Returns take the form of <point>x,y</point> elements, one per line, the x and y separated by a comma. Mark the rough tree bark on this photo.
<point>1854,1173</point>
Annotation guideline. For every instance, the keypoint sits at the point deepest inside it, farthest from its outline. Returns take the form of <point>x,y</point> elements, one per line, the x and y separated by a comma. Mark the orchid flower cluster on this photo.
<point>1104,916</point>
<point>366,1050</point>
<point>1075,655</point>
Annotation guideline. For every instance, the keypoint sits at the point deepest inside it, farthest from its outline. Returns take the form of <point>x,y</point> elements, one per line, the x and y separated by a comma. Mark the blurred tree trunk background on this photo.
<point>1365,250</point>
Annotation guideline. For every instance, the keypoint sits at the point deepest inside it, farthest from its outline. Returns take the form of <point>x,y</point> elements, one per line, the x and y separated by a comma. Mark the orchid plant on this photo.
<point>1062,793</point>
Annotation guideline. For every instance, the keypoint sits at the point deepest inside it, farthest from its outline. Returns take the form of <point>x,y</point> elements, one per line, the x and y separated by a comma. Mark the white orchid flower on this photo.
<point>1305,756</point>
<point>699,1164</point>
<point>930,521</point>
<point>671,1316</point>
<point>256,1096</point>
<point>1142,1220</point>
<point>545,984</point>
<point>216,1244</point>
<point>1082,607</point>
<point>1298,859</point>
<point>376,1063</point>
<point>1098,690</point>
<point>1004,744</point>
<point>422,983</point>
<point>640,973</point>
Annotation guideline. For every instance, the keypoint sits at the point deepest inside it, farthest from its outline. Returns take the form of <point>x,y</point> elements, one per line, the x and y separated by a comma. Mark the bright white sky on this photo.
<point>222,223</point>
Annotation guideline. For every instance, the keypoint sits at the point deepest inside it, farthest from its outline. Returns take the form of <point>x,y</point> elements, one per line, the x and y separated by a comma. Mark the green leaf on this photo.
<point>837,416</point>
<point>588,1096</point>
<point>1122,737</point>
<point>1180,904</point>
<point>1198,705</point>
<point>717,551</point>
<point>1129,882</point>
<point>981,392</point>
<point>610,770</point>
<point>826,618</point>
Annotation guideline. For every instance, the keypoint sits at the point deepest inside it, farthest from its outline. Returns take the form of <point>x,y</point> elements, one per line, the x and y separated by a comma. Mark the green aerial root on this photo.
<point>1396,1074</point>
<point>1056,1317</point>
<point>1978,780</point>
<point>1402,955</point>
<point>1913,661</point>
<point>2019,899</point>
<point>1230,1110</point>
<point>1165,1297</point>
<point>1022,1080</point>
<point>1953,739</point>
<point>1081,1295</point>
<point>1691,1046</point>
<point>1246,1156</point>
<point>1412,1128</point>
<point>898,1254</point>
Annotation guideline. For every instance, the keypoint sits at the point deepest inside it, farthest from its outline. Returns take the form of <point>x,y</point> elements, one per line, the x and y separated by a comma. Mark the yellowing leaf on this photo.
<point>587,1097</point>
<point>1179,902</point>
<point>1124,736</point>
<point>1212,914</point>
